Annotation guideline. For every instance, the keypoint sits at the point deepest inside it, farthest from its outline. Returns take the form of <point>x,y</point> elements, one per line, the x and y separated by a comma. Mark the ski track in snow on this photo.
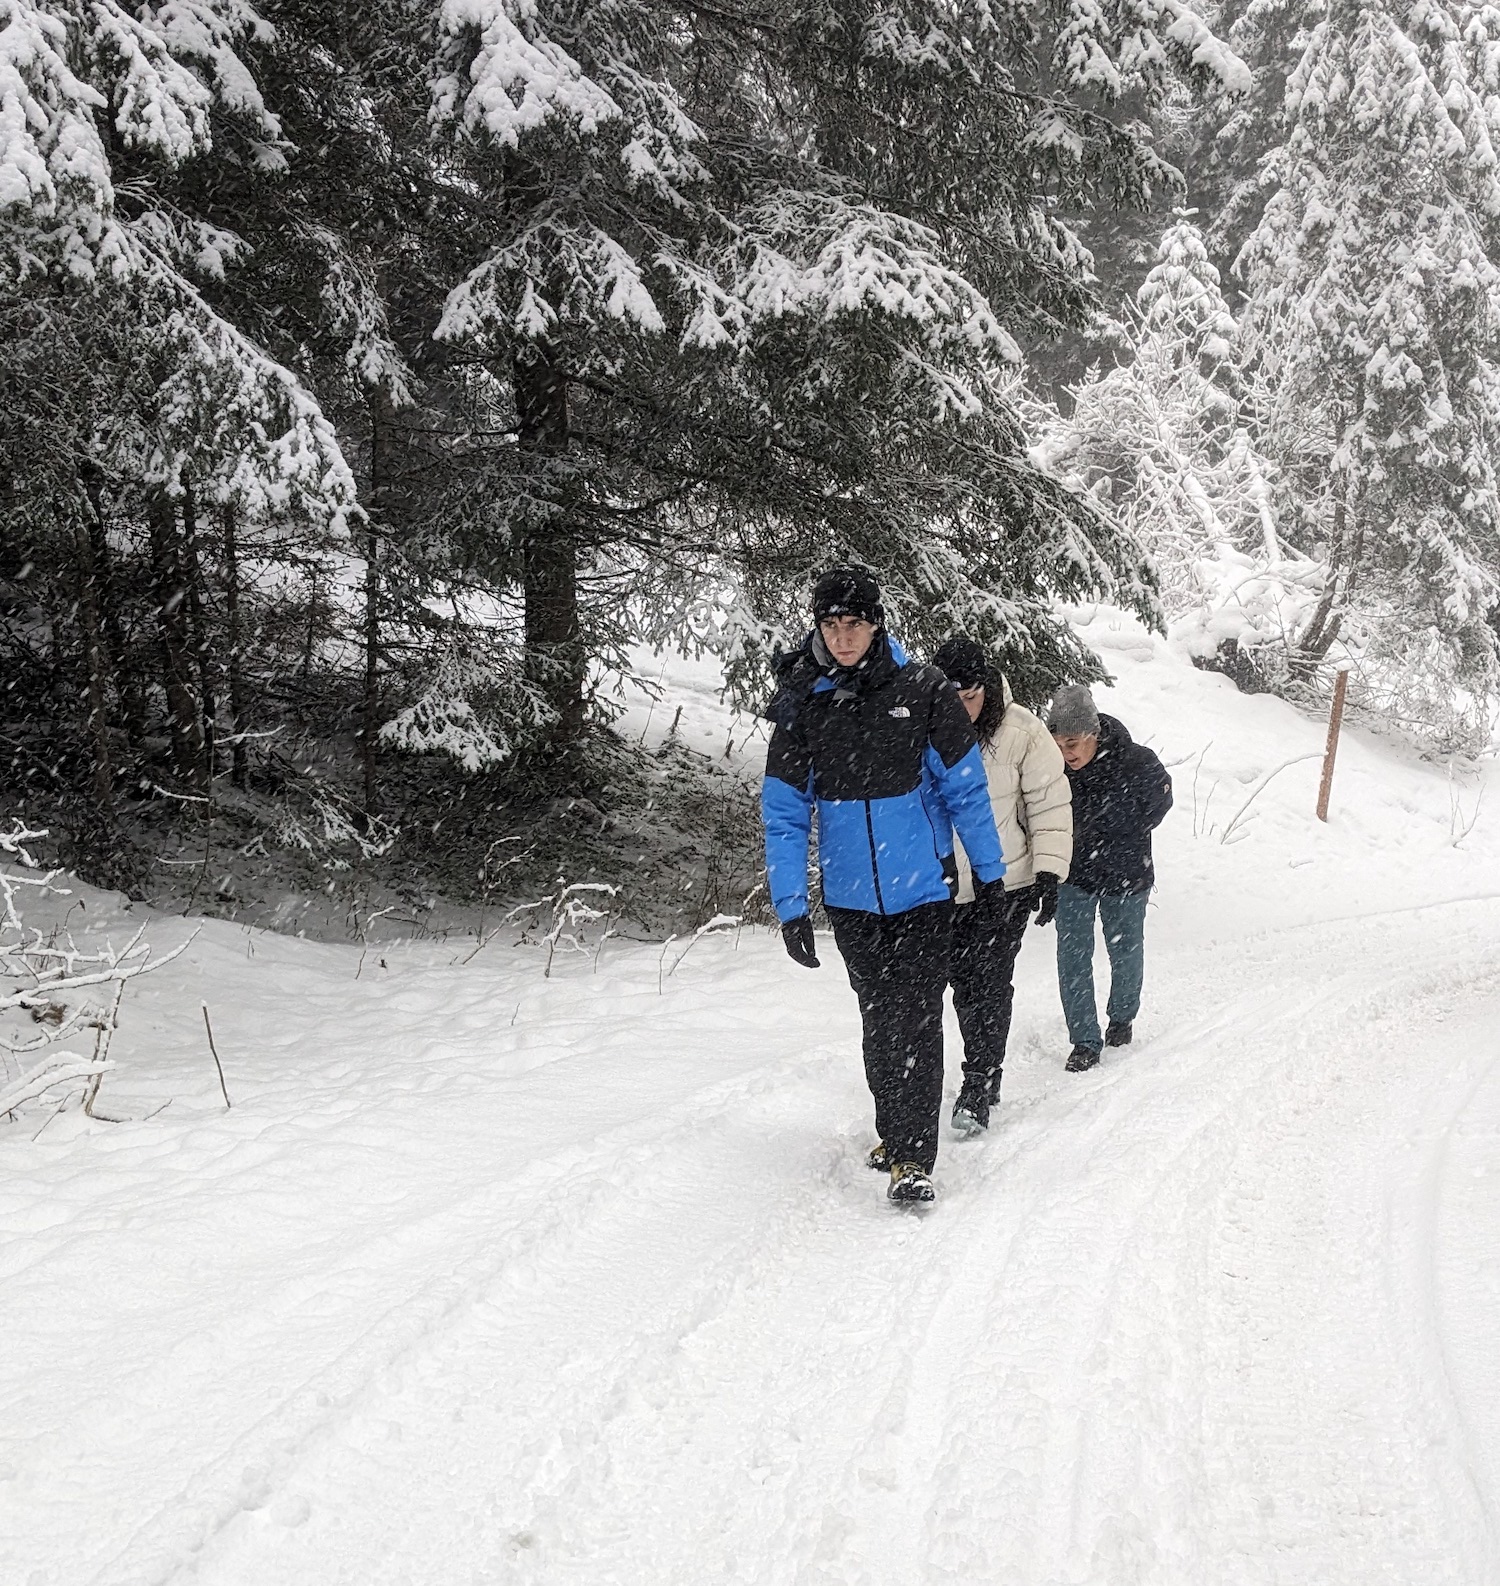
<point>488,1280</point>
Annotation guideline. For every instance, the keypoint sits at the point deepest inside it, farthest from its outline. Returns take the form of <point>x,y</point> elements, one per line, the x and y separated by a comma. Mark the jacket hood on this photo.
<point>1113,733</point>
<point>809,669</point>
<point>1114,739</point>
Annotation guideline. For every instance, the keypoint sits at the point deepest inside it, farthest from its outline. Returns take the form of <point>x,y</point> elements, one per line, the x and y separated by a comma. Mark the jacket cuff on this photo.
<point>988,873</point>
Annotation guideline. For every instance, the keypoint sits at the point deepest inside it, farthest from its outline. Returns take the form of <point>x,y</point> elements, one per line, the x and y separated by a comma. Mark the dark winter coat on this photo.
<point>1119,798</point>
<point>885,753</point>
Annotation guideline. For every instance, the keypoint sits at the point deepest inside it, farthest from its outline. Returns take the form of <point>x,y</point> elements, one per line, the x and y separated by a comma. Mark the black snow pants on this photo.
<point>982,970</point>
<point>898,967</point>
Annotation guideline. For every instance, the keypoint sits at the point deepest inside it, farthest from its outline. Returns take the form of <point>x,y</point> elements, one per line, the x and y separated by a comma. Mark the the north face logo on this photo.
<point>899,710</point>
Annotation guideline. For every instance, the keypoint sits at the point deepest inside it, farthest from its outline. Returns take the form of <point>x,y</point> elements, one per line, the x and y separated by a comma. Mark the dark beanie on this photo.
<point>962,662</point>
<point>848,592</point>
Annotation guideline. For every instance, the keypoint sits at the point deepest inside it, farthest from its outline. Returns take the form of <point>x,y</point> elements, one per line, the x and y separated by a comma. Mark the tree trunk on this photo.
<point>96,662</point>
<point>128,685</point>
<point>371,713</point>
<point>555,657</point>
<point>238,759</point>
<point>171,620</point>
<point>192,573</point>
<point>309,634</point>
<point>1319,635</point>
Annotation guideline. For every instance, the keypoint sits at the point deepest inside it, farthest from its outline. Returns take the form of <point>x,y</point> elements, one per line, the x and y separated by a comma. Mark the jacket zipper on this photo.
<point>874,862</point>
<point>931,830</point>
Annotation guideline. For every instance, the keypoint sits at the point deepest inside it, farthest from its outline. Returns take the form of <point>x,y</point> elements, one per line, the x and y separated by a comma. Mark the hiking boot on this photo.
<point>910,1183</point>
<point>971,1112</point>
<point>878,1158</point>
<point>1118,1033</point>
<point>1082,1057</point>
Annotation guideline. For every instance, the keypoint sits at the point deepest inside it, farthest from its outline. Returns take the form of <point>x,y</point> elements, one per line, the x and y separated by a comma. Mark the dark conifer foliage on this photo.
<point>389,372</point>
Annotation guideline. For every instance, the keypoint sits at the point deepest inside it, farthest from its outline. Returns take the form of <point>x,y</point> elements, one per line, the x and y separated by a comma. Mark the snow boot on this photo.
<point>1082,1057</point>
<point>1118,1033</point>
<point>971,1112</point>
<point>878,1159</point>
<point>910,1183</point>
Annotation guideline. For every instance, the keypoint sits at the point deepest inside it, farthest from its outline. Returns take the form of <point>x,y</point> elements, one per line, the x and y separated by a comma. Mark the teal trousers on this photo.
<point>1124,922</point>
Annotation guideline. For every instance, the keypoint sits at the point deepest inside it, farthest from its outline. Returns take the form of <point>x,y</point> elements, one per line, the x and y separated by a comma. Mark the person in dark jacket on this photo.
<point>1030,796</point>
<point>883,751</point>
<point>1121,794</point>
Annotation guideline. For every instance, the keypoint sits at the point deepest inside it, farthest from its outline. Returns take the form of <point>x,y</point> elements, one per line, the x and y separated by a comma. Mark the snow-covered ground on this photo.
<point>489,1278</point>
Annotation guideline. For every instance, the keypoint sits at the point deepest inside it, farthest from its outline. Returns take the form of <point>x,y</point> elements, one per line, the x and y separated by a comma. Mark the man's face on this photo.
<point>1078,748</point>
<point>847,638</point>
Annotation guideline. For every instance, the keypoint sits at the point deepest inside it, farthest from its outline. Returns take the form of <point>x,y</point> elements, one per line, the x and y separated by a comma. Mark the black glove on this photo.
<point>1046,897</point>
<point>798,936</point>
<point>989,897</point>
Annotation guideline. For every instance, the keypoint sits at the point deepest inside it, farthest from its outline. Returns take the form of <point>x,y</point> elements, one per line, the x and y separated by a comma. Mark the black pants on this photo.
<point>898,966</point>
<point>982,969</point>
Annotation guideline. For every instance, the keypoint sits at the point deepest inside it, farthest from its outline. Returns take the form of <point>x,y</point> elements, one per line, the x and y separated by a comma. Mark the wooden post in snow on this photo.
<point>1335,720</point>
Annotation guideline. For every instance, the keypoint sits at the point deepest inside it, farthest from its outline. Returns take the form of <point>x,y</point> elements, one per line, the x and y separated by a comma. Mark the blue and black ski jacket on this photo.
<point>885,753</point>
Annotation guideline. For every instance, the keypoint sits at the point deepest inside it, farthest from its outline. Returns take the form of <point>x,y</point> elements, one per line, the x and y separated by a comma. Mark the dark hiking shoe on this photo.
<point>910,1183</point>
<point>971,1112</point>
<point>967,1122</point>
<point>878,1159</point>
<point>1118,1034</point>
<point>1082,1057</point>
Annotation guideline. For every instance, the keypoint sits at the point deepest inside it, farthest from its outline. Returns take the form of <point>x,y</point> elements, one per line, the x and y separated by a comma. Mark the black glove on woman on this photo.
<point>1046,897</point>
<point>798,936</point>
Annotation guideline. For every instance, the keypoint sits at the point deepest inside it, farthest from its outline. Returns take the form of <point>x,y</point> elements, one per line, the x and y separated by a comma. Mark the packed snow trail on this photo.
<point>1187,1318</point>
<point>490,1278</point>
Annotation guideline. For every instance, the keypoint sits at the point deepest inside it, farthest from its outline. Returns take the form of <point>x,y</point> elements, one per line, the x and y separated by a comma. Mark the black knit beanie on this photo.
<point>848,592</point>
<point>962,662</point>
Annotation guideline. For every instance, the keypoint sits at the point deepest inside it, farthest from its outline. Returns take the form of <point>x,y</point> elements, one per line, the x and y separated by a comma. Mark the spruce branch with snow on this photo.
<point>753,286</point>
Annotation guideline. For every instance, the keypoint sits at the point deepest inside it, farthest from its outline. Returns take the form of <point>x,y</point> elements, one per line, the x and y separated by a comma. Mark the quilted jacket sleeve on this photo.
<point>1048,799</point>
<point>786,806</point>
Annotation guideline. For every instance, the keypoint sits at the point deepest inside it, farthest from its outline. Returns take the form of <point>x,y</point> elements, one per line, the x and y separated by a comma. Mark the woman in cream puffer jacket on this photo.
<point>1032,801</point>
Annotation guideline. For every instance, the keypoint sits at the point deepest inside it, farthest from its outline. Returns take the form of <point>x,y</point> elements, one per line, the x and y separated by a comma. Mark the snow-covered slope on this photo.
<point>491,1278</point>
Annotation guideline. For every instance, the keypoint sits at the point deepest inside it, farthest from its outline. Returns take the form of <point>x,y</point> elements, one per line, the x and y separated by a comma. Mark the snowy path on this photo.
<point>604,1294</point>
<point>491,1280</point>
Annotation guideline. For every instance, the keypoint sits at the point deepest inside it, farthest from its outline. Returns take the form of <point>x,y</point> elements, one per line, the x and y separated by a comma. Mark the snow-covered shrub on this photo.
<point>320,819</point>
<point>474,701</point>
<point>1415,677</point>
<point>1167,440</point>
<point>565,916</point>
<point>57,985</point>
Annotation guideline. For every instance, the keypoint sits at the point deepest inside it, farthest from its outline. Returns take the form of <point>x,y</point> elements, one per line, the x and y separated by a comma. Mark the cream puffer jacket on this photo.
<point>1031,798</point>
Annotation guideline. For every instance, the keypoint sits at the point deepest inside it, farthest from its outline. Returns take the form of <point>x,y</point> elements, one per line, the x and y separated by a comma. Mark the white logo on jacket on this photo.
<point>899,710</point>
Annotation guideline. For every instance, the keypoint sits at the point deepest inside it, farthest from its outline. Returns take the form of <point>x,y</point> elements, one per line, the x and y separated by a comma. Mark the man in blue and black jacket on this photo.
<point>883,750</point>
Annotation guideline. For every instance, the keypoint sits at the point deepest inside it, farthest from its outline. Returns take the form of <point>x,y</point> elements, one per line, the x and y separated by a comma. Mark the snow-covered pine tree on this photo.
<point>741,308</point>
<point>1375,299</point>
<point>342,238</point>
<point>1226,179</point>
<point>135,408</point>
